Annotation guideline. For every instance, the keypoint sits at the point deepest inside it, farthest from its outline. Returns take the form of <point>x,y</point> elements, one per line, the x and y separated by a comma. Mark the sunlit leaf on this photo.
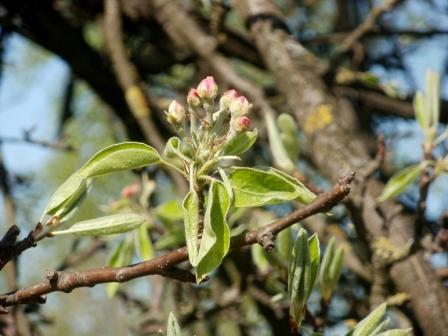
<point>190,209</point>
<point>143,243</point>
<point>113,224</point>
<point>259,258</point>
<point>419,109</point>
<point>256,187</point>
<point>173,328</point>
<point>120,256</point>
<point>369,324</point>
<point>279,154</point>
<point>118,157</point>
<point>215,240</point>
<point>400,182</point>
<point>241,143</point>
<point>302,273</point>
<point>68,196</point>
<point>170,211</point>
<point>330,269</point>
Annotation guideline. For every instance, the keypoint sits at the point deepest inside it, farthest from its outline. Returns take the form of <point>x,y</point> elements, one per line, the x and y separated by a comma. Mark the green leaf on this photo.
<point>241,143</point>
<point>330,269</point>
<point>285,243</point>
<point>314,250</point>
<point>215,240</point>
<point>368,325</point>
<point>279,154</point>
<point>302,273</point>
<point>118,157</point>
<point>121,255</point>
<point>305,196</point>
<point>173,328</point>
<point>287,124</point>
<point>171,239</point>
<point>190,209</point>
<point>172,148</point>
<point>255,187</point>
<point>143,243</point>
<point>419,109</point>
<point>259,258</point>
<point>68,197</point>
<point>400,182</point>
<point>170,211</point>
<point>113,224</point>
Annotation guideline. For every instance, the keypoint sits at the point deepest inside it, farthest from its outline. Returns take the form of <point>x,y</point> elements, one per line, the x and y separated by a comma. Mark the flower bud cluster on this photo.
<point>204,130</point>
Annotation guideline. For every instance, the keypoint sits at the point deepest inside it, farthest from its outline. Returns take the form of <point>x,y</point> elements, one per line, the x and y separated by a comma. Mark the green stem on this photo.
<point>168,164</point>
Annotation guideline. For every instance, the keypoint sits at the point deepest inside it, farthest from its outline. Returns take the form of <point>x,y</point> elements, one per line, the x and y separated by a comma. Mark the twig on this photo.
<point>46,144</point>
<point>163,265</point>
<point>367,25</point>
<point>426,178</point>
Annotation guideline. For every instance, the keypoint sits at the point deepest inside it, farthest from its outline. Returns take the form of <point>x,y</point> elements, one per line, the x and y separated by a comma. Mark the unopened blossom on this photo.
<point>227,98</point>
<point>207,88</point>
<point>130,190</point>
<point>242,123</point>
<point>240,106</point>
<point>176,113</point>
<point>193,98</point>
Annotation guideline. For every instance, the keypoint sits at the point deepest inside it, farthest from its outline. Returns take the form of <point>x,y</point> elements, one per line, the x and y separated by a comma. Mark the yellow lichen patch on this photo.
<point>137,102</point>
<point>319,118</point>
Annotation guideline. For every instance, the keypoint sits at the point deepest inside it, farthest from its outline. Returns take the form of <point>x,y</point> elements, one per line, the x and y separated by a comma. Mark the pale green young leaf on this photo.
<point>143,244</point>
<point>369,325</point>
<point>330,269</point>
<point>256,187</point>
<point>215,240</point>
<point>304,195</point>
<point>112,224</point>
<point>432,96</point>
<point>299,276</point>
<point>285,243</point>
<point>173,328</point>
<point>241,143</point>
<point>68,196</point>
<point>259,258</point>
<point>118,157</point>
<point>400,182</point>
<point>227,184</point>
<point>314,252</point>
<point>170,211</point>
<point>279,154</point>
<point>419,109</point>
<point>172,148</point>
<point>289,133</point>
<point>190,209</point>
<point>121,255</point>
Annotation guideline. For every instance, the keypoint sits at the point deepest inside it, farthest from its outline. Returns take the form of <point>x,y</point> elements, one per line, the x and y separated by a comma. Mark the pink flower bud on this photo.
<point>207,88</point>
<point>240,106</point>
<point>176,113</point>
<point>227,98</point>
<point>242,124</point>
<point>130,190</point>
<point>193,98</point>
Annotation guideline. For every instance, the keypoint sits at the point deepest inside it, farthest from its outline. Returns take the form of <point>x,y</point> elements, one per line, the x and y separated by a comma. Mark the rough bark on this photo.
<point>337,147</point>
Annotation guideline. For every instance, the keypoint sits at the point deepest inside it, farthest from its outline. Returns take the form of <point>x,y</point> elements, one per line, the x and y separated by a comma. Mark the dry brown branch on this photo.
<point>165,265</point>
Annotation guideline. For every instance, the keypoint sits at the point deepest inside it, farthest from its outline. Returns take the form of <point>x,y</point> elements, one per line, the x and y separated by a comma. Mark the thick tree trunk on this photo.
<point>336,147</point>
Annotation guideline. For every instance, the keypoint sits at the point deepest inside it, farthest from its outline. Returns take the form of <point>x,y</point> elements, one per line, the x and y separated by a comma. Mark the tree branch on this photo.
<point>164,265</point>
